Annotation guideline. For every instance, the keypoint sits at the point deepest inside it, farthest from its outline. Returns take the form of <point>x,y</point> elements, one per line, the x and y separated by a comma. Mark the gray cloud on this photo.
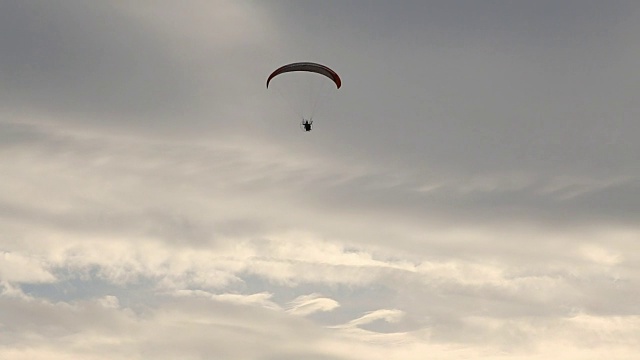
<point>485,104</point>
<point>71,57</point>
<point>518,97</point>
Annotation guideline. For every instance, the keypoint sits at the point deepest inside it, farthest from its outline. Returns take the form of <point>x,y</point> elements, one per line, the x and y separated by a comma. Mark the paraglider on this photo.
<point>304,90</point>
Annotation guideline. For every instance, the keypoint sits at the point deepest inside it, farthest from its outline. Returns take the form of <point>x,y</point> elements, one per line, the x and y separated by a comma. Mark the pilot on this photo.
<point>306,125</point>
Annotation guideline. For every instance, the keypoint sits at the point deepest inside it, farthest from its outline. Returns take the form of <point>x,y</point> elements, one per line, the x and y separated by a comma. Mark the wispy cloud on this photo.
<point>308,304</point>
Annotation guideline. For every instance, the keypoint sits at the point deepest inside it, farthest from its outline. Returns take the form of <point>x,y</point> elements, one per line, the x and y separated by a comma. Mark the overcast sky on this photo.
<point>471,192</point>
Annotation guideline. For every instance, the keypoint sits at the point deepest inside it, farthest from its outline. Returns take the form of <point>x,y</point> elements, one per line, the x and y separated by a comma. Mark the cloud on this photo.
<point>260,299</point>
<point>383,314</point>
<point>308,304</point>
<point>60,59</point>
<point>600,255</point>
<point>131,69</point>
<point>245,326</point>
<point>187,326</point>
<point>22,269</point>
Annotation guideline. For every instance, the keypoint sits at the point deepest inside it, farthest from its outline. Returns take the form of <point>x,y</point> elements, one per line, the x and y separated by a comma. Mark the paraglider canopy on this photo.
<point>309,67</point>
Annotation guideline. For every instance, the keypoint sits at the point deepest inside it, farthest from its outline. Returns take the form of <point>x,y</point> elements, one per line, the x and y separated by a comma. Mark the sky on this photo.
<point>472,190</point>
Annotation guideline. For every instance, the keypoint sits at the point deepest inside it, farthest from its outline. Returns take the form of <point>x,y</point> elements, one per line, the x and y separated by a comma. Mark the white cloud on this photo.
<point>259,299</point>
<point>15,267</point>
<point>600,255</point>
<point>388,315</point>
<point>109,302</point>
<point>308,304</point>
